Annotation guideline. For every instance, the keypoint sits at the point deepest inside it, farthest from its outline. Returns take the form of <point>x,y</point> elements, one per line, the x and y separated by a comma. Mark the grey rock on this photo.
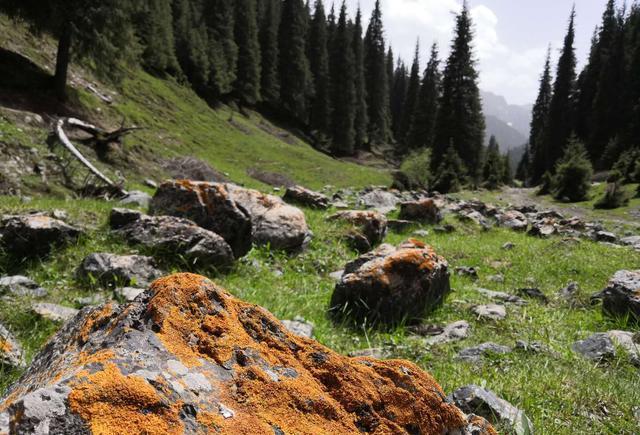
<point>390,285</point>
<point>514,220</point>
<point>425,210</point>
<point>455,331</point>
<point>534,293</point>
<point>91,301</point>
<point>444,229</point>
<point>137,198</point>
<point>633,241</point>
<point>35,234</point>
<point>570,291</point>
<point>543,229</point>
<point>150,183</point>
<point>508,246</point>
<point>471,272</point>
<point>306,197</point>
<point>128,294</point>
<point>496,278</point>
<point>54,312</point>
<point>119,270</point>
<point>21,286</point>
<point>340,205</point>
<point>472,216</point>
<point>502,297</point>
<point>337,275</point>
<point>603,346</point>
<point>621,297</point>
<point>299,327</point>
<point>11,353</point>
<point>476,353</point>
<point>173,237</point>
<point>532,346</point>
<point>421,233</point>
<point>605,236</point>
<point>379,200</point>
<point>372,225</point>
<point>400,225</point>
<point>490,311</point>
<point>473,399</point>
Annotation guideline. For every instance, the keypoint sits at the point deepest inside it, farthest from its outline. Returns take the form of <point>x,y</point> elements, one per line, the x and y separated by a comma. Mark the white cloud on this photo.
<point>503,70</point>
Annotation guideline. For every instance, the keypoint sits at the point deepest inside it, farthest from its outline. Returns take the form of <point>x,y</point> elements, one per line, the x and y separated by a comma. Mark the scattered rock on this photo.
<point>534,293</point>
<point>340,205</point>
<point>455,331</point>
<point>21,286</point>
<point>601,347</point>
<point>337,275</point>
<point>633,241</point>
<point>570,291</point>
<point>622,295</point>
<point>476,353</point>
<point>508,246</point>
<point>54,312</point>
<point>358,242</point>
<point>503,297</point>
<point>426,211</point>
<point>471,272</point>
<point>543,229</point>
<point>473,399</point>
<point>496,278</point>
<point>421,233</point>
<point>11,353</point>
<point>119,270</point>
<point>379,200</point>
<point>150,183</point>
<point>35,234</point>
<point>187,355</point>
<point>92,300</point>
<point>605,236</point>
<point>174,237</point>
<point>473,216</point>
<point>299,327</point>
<point>391,284</point>
<point>371,224</point>
<point>137,198</point>
<point>306,197</point>
<point>514,220</point>
<point>444,229</point>
<point>490,311</point>
<point>532,347</point>
<point>128,294</point>
<point>400,225</point>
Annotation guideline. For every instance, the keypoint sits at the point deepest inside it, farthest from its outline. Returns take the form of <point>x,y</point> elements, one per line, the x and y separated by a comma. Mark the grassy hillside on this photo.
<point>175,122</point>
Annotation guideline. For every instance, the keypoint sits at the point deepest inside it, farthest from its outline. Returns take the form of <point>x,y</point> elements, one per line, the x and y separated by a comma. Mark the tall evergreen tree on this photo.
<point>422,131</point>
<point>247,84</point>
<point>411,102</point>
<point>460,121</point>
<point>537,151</point>
<point>219,16</point>
<point>631,131</point>
<point>319,62</point>
<point>295,77</point>
<point>362,115</point>
<point>586,88</point>
<point>192,43</point>
<point>101,31</point>
<point>560,124</point>
<point>270,81</point>
<point>154,28</point>
<point>391,70</point>
<point>493,170</point>
<point>376,79</point>
<point>344,92</point>
<point>398,97</point>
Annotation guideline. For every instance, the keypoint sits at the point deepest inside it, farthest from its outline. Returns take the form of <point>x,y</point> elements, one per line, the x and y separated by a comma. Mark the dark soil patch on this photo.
<point>270,178</point>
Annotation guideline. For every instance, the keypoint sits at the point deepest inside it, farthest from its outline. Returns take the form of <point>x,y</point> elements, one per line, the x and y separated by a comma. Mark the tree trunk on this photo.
<point>62,62</point>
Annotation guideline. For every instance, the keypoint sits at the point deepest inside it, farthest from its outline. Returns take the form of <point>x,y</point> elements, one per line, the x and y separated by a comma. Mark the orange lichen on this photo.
<point>5,346</point>
<point>328,393</point>
<point>112,403</point>
<point>95,320</point>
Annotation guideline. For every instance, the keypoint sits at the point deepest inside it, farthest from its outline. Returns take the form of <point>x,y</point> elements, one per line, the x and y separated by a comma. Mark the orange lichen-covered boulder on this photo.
<point>241,216</point>
<point>187,357</point>
<point>391,285</point>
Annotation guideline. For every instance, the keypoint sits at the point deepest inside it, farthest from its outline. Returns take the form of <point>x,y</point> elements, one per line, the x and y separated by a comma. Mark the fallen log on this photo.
<point>62,136</point>
<point>101,137</point>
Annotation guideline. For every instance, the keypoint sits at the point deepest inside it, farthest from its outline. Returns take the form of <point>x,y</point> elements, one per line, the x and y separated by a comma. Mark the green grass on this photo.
<point>562,393</point>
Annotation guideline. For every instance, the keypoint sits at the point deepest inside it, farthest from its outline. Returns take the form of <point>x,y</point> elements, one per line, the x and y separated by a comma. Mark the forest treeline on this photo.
<point>592,116</point>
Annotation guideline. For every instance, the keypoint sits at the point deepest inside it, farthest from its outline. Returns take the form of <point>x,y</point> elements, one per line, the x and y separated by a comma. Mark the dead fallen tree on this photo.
<point>96,132</point>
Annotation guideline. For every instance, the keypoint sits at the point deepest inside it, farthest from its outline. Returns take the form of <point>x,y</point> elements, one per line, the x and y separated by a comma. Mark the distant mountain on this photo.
<point>509,123</point>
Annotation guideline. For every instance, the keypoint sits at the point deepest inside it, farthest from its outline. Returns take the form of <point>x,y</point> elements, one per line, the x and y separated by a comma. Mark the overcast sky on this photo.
<point>511,35</point>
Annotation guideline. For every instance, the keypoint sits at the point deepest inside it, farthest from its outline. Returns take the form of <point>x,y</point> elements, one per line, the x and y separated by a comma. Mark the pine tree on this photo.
<point>524,166</point>
<point>560,123</point>
<point>537,150</point>
<point>270,81</point>
<point>607,100</point>
<point>344,92</point>
<point>573,172</point>
<point>362,115</point>
<point>154,29</point>
<point>507,172</point>
<point>100,31</point>
<point>192,43</point>
<point>422,131</point>
<point>219,16</point>
<point>398,97</point>
<point>376,79</point>
<point>450,172</point>
<point>391,70</point>
<point>586,89</point>
<point>493,170</point>
<point>247,84</point>
<point>460,121</point>
<point>319,62</point>
<point>295,77</point>
<point>411,102</point>
<point>631,105</point>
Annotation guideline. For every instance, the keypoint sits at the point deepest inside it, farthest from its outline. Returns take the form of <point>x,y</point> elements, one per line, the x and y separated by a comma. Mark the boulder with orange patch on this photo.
<point>187,357</point>
<point>391,285</point>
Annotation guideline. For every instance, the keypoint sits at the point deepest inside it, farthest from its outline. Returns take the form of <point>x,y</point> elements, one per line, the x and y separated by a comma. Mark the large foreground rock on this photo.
<point>392,285</point>
<point>187,357</point>
<point>119,270</point>
<point>241,216</point>
<point>172,236</point>
<point>622,295</point>
<point>35,234</point>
